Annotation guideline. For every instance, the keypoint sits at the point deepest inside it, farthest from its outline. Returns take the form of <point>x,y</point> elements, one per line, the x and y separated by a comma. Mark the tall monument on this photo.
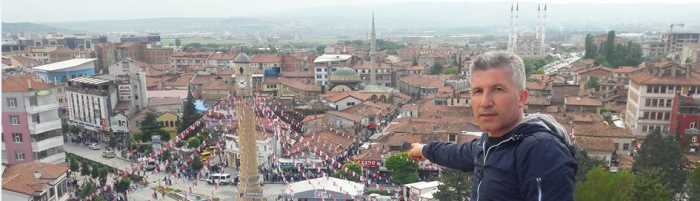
<point>373,55</point>
<point>249,181</point>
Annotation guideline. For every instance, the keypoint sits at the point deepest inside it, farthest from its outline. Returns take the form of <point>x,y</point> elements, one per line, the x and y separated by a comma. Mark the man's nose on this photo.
<point>487,100</point>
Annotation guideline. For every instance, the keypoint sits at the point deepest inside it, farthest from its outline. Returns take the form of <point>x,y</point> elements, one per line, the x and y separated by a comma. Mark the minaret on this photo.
<point>249,185</point>
<point>513,38</point>
<point>543,24</point>
<point>373,55</point>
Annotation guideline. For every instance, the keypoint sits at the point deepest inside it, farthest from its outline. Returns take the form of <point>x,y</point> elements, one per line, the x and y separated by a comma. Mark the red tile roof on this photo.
<point>23,83</point>
<point>582,101</point>
<point>625,69</point>
<point>536,85</point>
<point>263,58</point>
<point>297,84</point>
<point>221,56</point>
<point>20,178</point>
<point>425,81</point>
<point>352,117</point>
<point>598,144</point>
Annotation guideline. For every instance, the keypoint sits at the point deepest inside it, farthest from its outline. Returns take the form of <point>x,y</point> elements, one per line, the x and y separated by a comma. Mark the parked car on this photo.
<point>219,178</point>
<point>150,165</point>
<point>94,146</point>
<point>109,154</point>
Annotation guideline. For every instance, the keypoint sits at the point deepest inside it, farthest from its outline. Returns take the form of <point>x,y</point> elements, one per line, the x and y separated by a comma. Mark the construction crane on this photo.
<point>669,38</point>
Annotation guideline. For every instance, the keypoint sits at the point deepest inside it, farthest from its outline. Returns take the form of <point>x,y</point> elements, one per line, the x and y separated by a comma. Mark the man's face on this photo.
<point>497,103</point>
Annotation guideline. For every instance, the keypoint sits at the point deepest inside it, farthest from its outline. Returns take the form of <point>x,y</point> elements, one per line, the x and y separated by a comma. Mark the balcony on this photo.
<point>42,108</point>
<point>35,128</point>
<point>47,144</point>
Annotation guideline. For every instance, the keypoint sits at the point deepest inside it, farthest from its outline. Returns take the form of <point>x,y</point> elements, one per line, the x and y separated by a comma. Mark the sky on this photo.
<point>38,11</point>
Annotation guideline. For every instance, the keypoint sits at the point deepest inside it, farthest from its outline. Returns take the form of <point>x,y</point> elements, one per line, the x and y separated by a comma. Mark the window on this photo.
<point>669,102</point>
<point>14,120</point>
<point>17,137</point>
<point>617,146</point>
<point>36,118</point>
<point>626,147</point>
<point>19,156</point>
<point>452,138</point>
<point>693,124</point>
<point>351,103</point>
<point>12,102</point>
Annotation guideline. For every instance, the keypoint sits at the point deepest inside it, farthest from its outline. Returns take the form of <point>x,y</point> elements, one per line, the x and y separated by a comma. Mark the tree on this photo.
<point>197,163</point>
<point>320,49</point>
<point>585,164</point>
<point>189,113</point>
<point>84,168</point>
<point>649,186</point>
<point>403,170</point>
<point>436,69</point>
<point>590,53</point>
<point>694,185</point>
<point>350,171</point>
<point>98,171</point>
<point>122,185</point>
<point>601,184</point>
<point>166,155</point>
<point>456,185</point>
<point>452,71</point>
<point>610,46</point>
<point>662,154</point>
<point>149,127</point>
<point>194,142</point>
<point>74,166</point>
<point>86,189</point>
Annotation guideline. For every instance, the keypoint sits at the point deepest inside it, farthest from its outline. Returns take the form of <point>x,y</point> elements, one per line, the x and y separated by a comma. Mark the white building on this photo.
<point>420,191</point>
<point>325,188</point>
<point>651,92</point>
<point>92,102</point>
<point>131,84</point>
<point>327,63</point>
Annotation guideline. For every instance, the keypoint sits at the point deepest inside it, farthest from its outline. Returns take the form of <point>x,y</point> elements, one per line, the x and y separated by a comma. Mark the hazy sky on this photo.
<point>82,10</point>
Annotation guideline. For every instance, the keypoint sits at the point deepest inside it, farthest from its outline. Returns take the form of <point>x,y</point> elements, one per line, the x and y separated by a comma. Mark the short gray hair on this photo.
<point>503,60</point>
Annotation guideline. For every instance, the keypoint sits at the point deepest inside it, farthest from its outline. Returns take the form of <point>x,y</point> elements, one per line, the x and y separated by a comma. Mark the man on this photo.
<point>519,157</point>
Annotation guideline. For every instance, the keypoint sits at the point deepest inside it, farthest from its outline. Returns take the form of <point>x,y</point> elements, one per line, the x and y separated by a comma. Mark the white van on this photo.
<point>219,178</point>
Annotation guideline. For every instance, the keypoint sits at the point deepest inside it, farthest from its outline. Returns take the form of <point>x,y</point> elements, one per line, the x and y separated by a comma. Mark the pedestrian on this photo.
<point>518,157</point>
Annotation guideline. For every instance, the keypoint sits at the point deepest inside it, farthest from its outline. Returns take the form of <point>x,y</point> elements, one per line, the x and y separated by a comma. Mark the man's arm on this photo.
<point>546,169</point>
<point>455,156</point>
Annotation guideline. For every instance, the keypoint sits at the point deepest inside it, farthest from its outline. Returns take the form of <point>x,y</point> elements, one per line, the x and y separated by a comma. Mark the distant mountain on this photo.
<point>493,15</point>
<point>353,21</point>
<point>167,25</point>
<point>31,27</point>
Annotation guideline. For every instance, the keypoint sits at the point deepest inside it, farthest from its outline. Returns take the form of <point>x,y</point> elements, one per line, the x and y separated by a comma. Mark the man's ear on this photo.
<point>522,97</point>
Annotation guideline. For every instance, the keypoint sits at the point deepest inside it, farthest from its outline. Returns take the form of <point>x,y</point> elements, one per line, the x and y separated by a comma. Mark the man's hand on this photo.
<point>416,152</point>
